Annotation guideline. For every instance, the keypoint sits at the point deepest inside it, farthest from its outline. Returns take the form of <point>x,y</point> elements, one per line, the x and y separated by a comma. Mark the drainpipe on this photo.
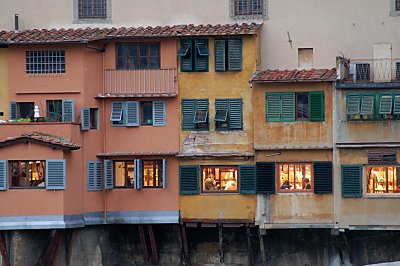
<point>16,20</point>
<point>104,124</point>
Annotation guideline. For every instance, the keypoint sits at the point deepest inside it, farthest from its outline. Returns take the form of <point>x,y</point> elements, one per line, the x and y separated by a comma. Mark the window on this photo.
<point>394,8</point>
<point>124,174</point>
<point>363,72</point>
<point>305,57</point>
<point>25,110</point>
<point>194,55</point>
<point>26,174</point>
<point>54,110</point>
<point>45,61</point>
<point>228,55</point>
<point>382,179</point>
<point>397,5</point>
<point>246,9</point>
<point>194,114</point>
<point>94,118</point>
<point>138,55</point>
<point>147,113</point>
<point>92,9</point>
<point>132,112</point>
<point>398,70</point>
<point>294,106</point>
<point>152,174</point>
<point>295,177</point>
<point>228,114</point>
<point>219,178</point>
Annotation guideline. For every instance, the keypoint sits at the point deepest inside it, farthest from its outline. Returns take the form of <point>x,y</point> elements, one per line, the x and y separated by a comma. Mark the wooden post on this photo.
<point>143,243</point>
<point>220,244</point>
<point>70,245</point>
<point>49,255</point>
<point>3,250</point>
<point>262,249</point>
<point>186,255</point>
<point>153,245</point>
<point>249,246</point>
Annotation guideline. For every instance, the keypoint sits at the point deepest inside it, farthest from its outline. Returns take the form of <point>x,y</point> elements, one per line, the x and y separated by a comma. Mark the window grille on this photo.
<point>248,7</point>
<point>45,61</point>
<point>398,70</point>
<point>397,5</point>
<point>362,72</point>
<point>92,9</point>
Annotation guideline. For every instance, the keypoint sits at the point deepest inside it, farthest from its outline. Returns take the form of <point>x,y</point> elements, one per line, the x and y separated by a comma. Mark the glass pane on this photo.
<point>223,179</point>
<point>119,171</point>
<point>295,176</point>
<point>382,180</point>
<point>27,174</point>
<point>302,106</point>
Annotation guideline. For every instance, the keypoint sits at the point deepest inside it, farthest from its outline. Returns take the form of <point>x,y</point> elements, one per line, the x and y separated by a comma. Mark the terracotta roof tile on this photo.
<point>294,75</point>
<point>91,34</point>
<point>37,137</point>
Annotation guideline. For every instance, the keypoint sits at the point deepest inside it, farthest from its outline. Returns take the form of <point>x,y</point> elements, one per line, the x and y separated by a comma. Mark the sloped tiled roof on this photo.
<point>294,75</point>
<point>92,34</point>
<point>40,138</point>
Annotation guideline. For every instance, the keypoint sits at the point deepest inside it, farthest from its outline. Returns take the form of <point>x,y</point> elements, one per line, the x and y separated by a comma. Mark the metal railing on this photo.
<point>140,81</point>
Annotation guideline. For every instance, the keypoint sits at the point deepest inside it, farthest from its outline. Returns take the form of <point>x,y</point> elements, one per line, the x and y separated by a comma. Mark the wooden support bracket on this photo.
<point>153,245</point>
<point>184,245</point>
<point>49,255</point>
<point>143,243</point>
<point>249,246</point>
<point>220,244</point>
<point>262,248</point>
<point>70,245</point>
<point>3,250</point>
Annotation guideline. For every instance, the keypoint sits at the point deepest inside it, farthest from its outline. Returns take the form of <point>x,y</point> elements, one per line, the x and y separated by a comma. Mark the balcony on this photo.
<point>140,83</point>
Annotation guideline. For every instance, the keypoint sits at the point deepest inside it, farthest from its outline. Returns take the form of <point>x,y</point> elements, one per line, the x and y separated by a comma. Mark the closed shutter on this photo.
<point>109,174</point>
<point>265,172</point>
<point>55,174</point>
<point>322,177</point>
<point>85,118</point>
<point>3,175</point>
<point>201,57</point>
<point>99,176</point>
<point>189,179</point>
<point>247,179</point>
<point>235,115</point>
<point>132,114</point>
<point>235,55</point>
<point>288,101</point>
<point>138,174</point>
<point>91,176</point>
<point>68,113</point>
<point>220,55</point>
<point>273,107</point>
<point>188,108</point>
<point>385,105</point>
<point>367,105</point>
<point>117,109</point>
<point>317,106</point>
<point>164,173</point>
<point>353,104</point>
<point>396,105</point>
<point>186,56</point>
<point>351,181</point>
<point>159,113</point>
<point>13,111</point>
<point>382,157</point>
<point>397,176</point>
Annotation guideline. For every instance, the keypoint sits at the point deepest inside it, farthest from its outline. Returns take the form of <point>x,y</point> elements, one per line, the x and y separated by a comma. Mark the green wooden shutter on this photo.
<point>317,106</point>
<point>117,109</point>
<point>91,176</point>
<point>265,172</point>
<point>351,181</point>
<point>273,106</point>
<point>68,112</point>
<point>186,56</point>
<point>288,103</point>
<point>164,173</point>
<point>322,177</point>
<point>132,114</point>
<point>159,113</point>
<point>367,104</point>
<point>3,175</point>
<point>220,55</point>
<point>396,105</point>
<point>201,57</point>
<point>85,118</point>
<point>235,115</point>
<point>55,174</point>
<point>99,176</point>
<point>202,104</point>
<point>235,55</point>
<point>138,175</point>
<point>221,105</point>
<point>189,179</point>
<point>353,104</point>
<point>13,111</point>
<point>247,179</point>
<point>109,174</point>
<point>385,105</point>
<point>188,108</point>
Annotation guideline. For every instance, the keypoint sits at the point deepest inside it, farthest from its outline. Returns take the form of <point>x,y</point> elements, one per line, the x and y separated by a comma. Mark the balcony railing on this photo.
<point>369,70</point>
<point>140,82</point>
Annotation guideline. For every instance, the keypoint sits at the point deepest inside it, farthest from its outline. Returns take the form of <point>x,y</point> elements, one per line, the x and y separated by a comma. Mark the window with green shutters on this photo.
<point>247,179</point>
<point>265,174</point>
<point>195,114</point>
<point>189,179</point>
<point>194,55</point>
<point>130,113</point>
<point>323,177</point>
<point>228,55</point>
<point>228,114</point>
<point>294,106</point>
<point>351,181</point>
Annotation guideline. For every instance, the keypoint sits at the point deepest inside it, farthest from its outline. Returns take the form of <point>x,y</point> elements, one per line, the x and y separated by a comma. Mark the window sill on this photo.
<point>382,196</point>
<point>92,20</point>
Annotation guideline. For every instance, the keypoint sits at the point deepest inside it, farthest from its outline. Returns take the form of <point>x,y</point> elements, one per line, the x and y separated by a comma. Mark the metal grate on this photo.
<point>92,9</point>
<point>45,61</point>
<point>398,70</point>
<point>397,5</point>
<point>362,72</point>
<point>248,7</point>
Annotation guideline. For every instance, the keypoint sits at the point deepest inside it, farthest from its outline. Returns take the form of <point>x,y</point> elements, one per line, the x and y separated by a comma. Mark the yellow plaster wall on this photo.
<point>4,100</point>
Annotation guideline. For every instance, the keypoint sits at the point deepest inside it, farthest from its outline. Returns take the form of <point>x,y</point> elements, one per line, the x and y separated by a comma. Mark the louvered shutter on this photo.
<point>189,179</point>
<point>351,181</point>
<point>385,105</point>
<point>117,109</point>
<point>3,175</point>
<point>353,104</point>
<point>159,113</point>
<point>91,176</point>
<point>288,102</point>
<point>200,61</point>
<point>367,105</point>
<point>202,105</point>
<point>235,115</point>
<point>13,111</point>
<point>323,177</point>
<point>247,179</point>
<point>317,106</point>
<point>186,58</point>
<point>273,106</point>
<point>396,105</point>
<point>85,118</point>
<point>188,108</point>
<point>138,175</point>
<point>397,176</point>
<point>235,55</point>
<point>265,172</point>
<point>132,114</point>
<point>108,174</point>
<point>98,176</point>
<point>68,112</point>
<point>221,105</point>
<point>55,174</point>
<point>164,173</point>
<point>220,55</point>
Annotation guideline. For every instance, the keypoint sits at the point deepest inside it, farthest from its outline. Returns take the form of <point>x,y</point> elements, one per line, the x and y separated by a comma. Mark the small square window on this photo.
<point>245,9</point>
<point>147,113</point>
<point>363,72</point>
<point>305,57</point>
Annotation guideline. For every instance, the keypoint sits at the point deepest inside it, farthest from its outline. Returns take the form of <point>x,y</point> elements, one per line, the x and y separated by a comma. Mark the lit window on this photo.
<point>219,178</point>
<point>382,180</point>
<point>295,177</point>
<point>152,174</point>
<point>124,174</point>
<point>25,174</point>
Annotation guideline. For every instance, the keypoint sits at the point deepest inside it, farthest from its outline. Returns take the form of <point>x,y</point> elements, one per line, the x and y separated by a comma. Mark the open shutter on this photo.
<point>132,114</point>
<point>98,176</point>
<point>189,179</point>
<point>397,176</point>
<point>367,105</point>
<point>235,55</point>
<point>186,55</point>
<point>201,55</point>
<point>164,173</point>
<point>288,101</point>
<point>235,114</point>
<point>221,109</point>
<point>273,106</point>
<point>188,107</point>
<point>159,113</point>
<point>317,106</point>
<point>351,181</point>
<point>220,55</point>
<point>68,113</point>
<point>13,111</point>
<point>353,104</point>
<point>3,175</point>
<point>202,105</point>
<point>322,177</point>
<point>116,111</point>
<point>138,174</point>
<point>247,179</point>
<point>91,173</point>
<point>396,105</point>
<point>265,172</point>
<point>55,174</point>
<point>85,118</point>
<point>109,174</point>
<point>385,105</point>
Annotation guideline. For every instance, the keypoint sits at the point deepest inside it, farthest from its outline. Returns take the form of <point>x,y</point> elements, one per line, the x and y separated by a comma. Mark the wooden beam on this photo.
<point>249,247</point>
<point>3,250</point>
<point>143,243</point>
<point>153,244</point>
<point>262,248</point>
<point>70,245</point>
<point>186,255</point>
<point>49,255</point>
<point>220,244</point>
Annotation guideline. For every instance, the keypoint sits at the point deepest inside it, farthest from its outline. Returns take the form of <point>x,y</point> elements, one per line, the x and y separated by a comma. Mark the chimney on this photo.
<point>16,22</point>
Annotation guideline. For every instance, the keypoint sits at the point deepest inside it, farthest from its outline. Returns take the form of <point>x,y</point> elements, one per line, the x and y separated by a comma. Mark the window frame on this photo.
<point>142,113</point>
<point>285,191</point>
<point>203,191</point>
<point>394,8</point>
<point>45,62</point>
<point>11,186</point>
<point>80,20</point>
<point>19,110</point>
<point>160,173</point>
<point>125,173</point>
<point>379,195</point>
<point>94,118</point>
<point>137,58</point>
<point>262,13</point>
<point>92,3</point>
<point>48,102</point>
<point>192,52</point>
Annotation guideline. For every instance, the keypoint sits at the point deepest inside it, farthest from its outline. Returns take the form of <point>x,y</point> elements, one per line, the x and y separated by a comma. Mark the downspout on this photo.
<point>104,122</point>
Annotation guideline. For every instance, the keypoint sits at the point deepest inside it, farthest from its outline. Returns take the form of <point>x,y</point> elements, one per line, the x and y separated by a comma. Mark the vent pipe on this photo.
<point>16,22</point>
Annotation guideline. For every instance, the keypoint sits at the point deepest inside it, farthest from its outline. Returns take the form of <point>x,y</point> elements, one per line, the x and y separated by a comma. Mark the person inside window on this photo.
<point>286,185</point>
<point>307,184</point>
<point>210,183</point>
